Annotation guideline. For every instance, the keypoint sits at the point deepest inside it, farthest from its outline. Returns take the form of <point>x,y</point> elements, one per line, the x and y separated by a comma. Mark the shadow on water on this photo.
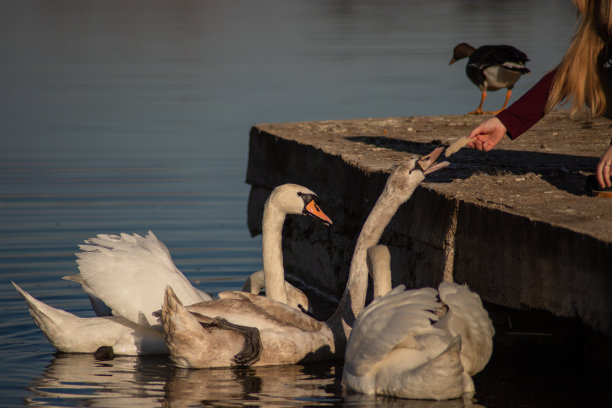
<point>562,171</point>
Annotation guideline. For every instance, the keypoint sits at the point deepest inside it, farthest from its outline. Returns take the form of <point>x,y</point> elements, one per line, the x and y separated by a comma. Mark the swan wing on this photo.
<point>400,319</point>
<point>468,318</point>
<point>99,307</point>
<point>129,273</point>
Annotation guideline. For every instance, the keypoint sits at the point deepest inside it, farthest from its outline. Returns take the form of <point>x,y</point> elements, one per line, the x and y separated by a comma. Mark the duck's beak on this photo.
<point>312,208</point>
<point>428,164</point>
<point>452,61</point>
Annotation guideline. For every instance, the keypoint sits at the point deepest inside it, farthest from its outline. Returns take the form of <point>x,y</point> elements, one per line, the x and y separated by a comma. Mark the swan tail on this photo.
<point>195,341</point>
<point>48,318</point>
<point>58,326</point>
<point>72,334</point>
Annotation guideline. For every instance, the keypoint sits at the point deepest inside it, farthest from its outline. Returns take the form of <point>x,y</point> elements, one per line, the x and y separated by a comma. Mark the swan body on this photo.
<point>287,336</point>
<point>420,343</point>
<point>395,350</point>
<point>72,334</point>
<point>125,277</point>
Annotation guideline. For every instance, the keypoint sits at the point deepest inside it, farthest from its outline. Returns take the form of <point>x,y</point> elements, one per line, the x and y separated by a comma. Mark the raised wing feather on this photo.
<point>129,273</point>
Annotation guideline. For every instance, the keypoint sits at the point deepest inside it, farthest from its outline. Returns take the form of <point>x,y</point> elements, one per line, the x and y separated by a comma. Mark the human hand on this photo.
<point>603,169</point>
<point>486,135</point>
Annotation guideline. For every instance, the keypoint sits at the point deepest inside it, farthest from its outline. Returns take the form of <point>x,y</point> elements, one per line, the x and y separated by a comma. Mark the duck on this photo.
<point>253,330</point>
<point>418,343</point>
<point>492,67</point>
<point>125,277</point>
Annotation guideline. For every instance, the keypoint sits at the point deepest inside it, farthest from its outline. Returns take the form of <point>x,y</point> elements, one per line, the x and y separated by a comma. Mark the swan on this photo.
<point>125,277</point>
<point>419,343</point>
<point>73,334</point>
<point>255,283</point>
<point>220,332</point>
<point>130,273</point>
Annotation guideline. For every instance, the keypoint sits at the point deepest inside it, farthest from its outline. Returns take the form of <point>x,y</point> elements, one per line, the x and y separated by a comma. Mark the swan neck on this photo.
<point>379,265</point>
<point>382,282</point>
<point>353,298</point>
<point>272,252</point>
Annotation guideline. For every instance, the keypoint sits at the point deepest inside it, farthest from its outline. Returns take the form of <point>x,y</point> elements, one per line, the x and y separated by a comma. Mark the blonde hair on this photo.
<point>580,75</point>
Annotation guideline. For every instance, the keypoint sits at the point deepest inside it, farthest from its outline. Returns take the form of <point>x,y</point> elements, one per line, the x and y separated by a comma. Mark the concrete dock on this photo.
<point>515,223</point>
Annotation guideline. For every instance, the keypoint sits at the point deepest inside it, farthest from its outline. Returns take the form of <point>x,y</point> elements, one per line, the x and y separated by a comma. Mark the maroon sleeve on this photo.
<point>528,109</point>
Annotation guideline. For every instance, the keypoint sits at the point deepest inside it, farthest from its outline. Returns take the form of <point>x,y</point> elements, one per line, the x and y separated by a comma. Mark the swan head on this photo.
<point>405,177</point>
<point>299,200</point>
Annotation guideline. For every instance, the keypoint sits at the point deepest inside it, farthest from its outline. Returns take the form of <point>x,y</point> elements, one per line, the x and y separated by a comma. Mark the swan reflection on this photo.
<point>79,380</point>
<point>272,386</point>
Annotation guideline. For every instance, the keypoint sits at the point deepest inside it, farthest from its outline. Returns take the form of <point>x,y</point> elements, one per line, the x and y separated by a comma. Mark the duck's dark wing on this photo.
<point>505,55</point>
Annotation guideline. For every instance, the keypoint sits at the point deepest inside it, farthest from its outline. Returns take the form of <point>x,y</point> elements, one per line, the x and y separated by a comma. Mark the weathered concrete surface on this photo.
<point>513,223</point>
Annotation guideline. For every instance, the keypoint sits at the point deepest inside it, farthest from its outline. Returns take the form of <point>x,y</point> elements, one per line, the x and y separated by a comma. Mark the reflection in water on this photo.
<point>78,379</point>
<point>273,386</point>
<point>360,400</point>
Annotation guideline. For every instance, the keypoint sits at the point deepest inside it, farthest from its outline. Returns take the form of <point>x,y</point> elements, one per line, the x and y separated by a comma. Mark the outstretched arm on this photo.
<point>528,109</point>
<point>517,119</point>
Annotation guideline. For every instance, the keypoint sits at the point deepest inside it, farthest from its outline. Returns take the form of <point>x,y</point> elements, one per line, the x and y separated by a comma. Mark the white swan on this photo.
<point>419,343</point>
<point>255,283</point>
<point>128,274</point>
<point>72,334</point>
<point>199,335</point>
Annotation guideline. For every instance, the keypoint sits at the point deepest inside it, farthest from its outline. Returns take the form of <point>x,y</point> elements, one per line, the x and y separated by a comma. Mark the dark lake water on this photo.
<point>128,116</point>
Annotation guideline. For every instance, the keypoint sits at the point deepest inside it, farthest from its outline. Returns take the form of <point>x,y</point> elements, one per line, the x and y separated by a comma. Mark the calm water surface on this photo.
<point>134,115</point>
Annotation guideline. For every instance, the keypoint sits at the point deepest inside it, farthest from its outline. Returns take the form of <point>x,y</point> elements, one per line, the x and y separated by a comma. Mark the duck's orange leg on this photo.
<point>479,111</point>
<point>508,94</point>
